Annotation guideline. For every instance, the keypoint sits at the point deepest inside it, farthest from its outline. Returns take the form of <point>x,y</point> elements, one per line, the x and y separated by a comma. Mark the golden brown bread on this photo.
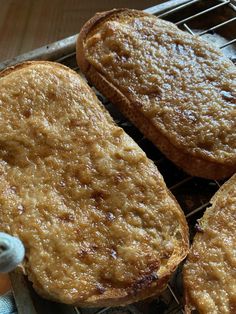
<point>210,270</point>
<point>97,221</point>
<point>176,88</point>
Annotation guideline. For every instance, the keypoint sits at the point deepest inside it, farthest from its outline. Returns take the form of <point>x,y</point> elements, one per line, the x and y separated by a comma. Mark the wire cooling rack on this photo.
<point>212,20</point>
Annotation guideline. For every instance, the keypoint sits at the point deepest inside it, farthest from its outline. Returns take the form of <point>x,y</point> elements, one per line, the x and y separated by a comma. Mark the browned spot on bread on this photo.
<point>118,178</point>
<point>229,96</point>
<point>143,283</point>
<point>74,123</point>
<point>67,217</point>
<point>28,112</point>
<point>99,195</point>
<point>52,95</point>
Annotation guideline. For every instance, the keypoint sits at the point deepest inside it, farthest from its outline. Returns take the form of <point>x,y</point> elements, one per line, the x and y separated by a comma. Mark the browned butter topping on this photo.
<point>92,211</point>
<point>182,84</point>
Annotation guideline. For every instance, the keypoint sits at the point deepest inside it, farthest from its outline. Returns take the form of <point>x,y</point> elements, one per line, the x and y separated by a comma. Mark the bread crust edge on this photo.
<point>195,166</point>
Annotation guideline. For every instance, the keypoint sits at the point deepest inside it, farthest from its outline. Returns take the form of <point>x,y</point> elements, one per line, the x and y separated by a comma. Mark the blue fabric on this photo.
<point>7,304</point>
<point>12,252</point>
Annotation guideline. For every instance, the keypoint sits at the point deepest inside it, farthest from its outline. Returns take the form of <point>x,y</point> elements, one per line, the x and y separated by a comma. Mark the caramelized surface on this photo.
<point>183,85</point>
<point>210,271</point>
<point>92,211</point>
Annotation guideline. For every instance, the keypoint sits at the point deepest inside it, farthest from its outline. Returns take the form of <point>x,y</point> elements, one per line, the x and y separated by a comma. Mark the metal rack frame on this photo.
<point>64,51</point>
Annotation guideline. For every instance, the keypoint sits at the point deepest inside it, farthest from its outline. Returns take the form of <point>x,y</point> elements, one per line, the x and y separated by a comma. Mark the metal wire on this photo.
<point>198,209</point>
<point>66,57</point>
<point>188,29</point>
<point>183,6</point>
<point>228,43</point>
<point>217,26</point>
<point>217,183</point>
<point>189,18</point>
<point>180,183</point>
<point>174,296</point>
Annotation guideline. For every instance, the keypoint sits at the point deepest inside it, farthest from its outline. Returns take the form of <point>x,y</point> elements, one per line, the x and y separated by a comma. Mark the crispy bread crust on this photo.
<point>23,65</point>
<point>196,166</point>
<point>147,286</point>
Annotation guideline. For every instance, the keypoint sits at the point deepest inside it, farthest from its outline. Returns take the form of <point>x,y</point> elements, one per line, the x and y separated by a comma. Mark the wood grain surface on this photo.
<point>29,24</point>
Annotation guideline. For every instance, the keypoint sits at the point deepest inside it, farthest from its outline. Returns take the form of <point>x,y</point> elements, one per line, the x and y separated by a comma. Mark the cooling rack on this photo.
<point>212,20</point>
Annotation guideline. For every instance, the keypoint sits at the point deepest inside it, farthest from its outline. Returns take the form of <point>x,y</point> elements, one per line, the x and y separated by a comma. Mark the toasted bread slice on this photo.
<point>210,270</point>
<point>176,88</point>
<point>99,226</point>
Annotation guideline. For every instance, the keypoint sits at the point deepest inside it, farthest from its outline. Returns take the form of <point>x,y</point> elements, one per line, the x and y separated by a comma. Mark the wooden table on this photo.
<point>29,24</point>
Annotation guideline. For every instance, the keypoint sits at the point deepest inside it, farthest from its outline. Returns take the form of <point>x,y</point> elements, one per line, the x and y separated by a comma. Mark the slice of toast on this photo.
<point>210,271</point>
<point>176,88</point>
<point>99,226</point>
